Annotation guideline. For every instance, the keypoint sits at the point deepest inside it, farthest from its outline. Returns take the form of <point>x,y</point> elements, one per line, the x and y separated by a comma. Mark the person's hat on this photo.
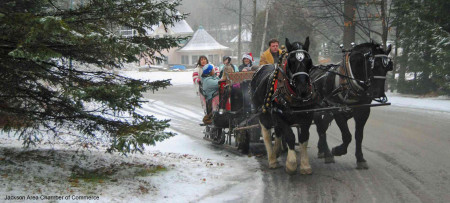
<point>225,58</point>
<point>207,69</point>
<point>248,56</point>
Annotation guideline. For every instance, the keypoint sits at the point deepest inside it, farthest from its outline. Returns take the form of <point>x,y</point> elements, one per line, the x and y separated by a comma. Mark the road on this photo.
<point>408,152</point>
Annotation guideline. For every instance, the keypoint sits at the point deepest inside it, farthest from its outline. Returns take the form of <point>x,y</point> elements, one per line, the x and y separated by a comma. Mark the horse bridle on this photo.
<point>385,59</point>
<point>299,52</point>
<point>385,62</point>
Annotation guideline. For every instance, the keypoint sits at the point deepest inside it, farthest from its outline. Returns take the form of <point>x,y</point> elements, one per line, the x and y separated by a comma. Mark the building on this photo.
<point>179,29</point>
<point>201,43</point>
<point>187,54</point>
<point>246,41</point>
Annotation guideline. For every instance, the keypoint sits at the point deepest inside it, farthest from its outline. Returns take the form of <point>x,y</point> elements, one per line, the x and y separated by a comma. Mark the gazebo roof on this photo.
<point>202,41</point>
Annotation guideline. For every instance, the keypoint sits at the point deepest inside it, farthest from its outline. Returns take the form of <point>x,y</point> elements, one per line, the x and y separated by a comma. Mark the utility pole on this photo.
<point>240,29</point>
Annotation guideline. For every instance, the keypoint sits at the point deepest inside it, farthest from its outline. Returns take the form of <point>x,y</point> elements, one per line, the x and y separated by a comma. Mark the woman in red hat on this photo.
<point>247,61</point>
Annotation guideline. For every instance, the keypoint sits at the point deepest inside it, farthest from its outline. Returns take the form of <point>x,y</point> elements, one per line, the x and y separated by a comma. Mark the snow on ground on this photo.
<point>185,78</point>
<point>179,169</point>
<point>178,78</point>
<point>435,103</point>
<point>176,170</point>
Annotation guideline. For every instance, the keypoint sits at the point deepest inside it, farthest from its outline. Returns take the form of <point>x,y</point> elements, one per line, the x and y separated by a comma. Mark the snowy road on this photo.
<point>407,151</point>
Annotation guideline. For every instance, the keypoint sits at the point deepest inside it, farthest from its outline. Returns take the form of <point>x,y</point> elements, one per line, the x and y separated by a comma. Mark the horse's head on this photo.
<point>298,65</point>
<point>370,64</point>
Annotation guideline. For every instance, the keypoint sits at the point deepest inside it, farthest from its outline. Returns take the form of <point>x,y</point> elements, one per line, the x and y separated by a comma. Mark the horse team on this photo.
<point>284,92</point>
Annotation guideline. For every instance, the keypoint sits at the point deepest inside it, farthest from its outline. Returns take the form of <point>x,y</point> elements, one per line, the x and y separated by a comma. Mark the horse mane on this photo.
<point>297,45</point>
<point>368,45</point>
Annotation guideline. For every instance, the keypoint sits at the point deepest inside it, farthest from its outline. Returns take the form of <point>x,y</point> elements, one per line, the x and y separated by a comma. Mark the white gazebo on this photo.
<point>202,43</point>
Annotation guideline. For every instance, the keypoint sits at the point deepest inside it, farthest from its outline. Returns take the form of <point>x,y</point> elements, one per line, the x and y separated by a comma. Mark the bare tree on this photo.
<point>240,28</point>
<point>349,22</point>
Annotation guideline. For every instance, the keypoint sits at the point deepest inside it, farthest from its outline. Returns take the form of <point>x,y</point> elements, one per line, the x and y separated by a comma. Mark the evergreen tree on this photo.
<point>55,69</point>
<point>425,39</point>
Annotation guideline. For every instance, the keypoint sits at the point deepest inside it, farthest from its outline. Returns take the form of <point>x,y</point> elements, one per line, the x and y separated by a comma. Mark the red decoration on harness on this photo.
<point>287,81</point>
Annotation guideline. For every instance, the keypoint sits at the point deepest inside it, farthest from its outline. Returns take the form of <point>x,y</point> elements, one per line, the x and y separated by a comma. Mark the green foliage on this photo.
<point>55,69</point>
<point>424,36</point>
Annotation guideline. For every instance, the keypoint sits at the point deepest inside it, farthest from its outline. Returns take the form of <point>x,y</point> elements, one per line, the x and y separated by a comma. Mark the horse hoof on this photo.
<point>362,165</point>
<point>306,171</point>
<point>334,152</point>
<point>290,171</point>
<point>274,165</point>
<point>329,159</point>
<point>321,155</point>
<point>291,167</point>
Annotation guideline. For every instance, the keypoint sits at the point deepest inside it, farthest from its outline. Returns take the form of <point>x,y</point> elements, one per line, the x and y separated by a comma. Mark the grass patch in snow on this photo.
<point>90,176</point>
<point>150,170</point>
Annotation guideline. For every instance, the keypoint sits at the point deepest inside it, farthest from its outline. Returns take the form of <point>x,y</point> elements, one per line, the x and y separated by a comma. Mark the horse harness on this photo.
<point>281,83</point>
<point>347,88</point>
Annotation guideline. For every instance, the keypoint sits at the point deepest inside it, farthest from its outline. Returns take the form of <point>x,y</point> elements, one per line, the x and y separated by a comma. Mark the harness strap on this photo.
<point>300,73</point>
<point>350,73</point>
<point>379,77</point>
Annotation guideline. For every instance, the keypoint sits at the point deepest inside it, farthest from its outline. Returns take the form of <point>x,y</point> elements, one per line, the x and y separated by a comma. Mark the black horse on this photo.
<point>278,90</point>
<point>359,79</point>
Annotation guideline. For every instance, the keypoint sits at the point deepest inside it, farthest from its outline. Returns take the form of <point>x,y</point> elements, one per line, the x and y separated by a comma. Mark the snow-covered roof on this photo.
<point>150,31</point>
<point>246,36</point>
<point>202,41</point>
<point>181,27</point>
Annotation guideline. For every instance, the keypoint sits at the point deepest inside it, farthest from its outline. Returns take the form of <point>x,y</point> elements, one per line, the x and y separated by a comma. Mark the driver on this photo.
<point>273,52</point>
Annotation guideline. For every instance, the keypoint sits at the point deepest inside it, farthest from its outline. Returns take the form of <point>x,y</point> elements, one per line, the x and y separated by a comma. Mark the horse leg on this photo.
<point>282,128</point>
<point>305,167</point>
<point>277,145</point>
<point>322,122</point>
<point>341,121</point>
<point>273,163</point>
<point>360,117</point>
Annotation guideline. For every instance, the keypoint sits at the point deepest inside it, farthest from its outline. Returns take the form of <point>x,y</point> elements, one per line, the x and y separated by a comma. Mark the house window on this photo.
<point>184,59</point>
<point>211,59</point>
<point>126,32</point>
<point>195,59</point>
<point>216,59</point>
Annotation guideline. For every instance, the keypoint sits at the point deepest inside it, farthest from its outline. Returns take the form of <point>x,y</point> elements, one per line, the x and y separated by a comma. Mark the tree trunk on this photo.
<point>385,30</point>
<point>240,29</point>
<point>402,69</point>
<point>265,28</point>
<point>394,70</point>
<point>254,29</point>
<point>349,23</point>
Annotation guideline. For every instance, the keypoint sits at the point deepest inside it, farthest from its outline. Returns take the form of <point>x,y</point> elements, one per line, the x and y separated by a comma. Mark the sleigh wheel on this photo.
<point>243,141</point>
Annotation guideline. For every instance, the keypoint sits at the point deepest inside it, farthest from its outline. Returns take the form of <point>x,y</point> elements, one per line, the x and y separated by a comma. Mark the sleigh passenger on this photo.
<point>210,85</point>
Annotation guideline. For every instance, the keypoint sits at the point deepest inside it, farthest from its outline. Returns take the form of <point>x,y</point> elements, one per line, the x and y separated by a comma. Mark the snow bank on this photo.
<point>436,103</point>
<point>179,169</point>
<point>178,78</point>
